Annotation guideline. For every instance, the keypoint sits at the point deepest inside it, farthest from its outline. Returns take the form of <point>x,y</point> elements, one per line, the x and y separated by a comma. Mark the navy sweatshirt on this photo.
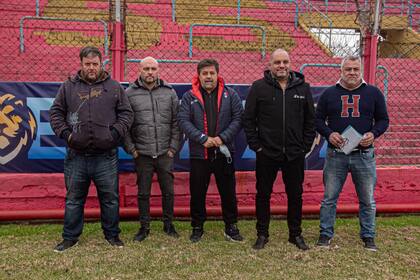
<point>363,108</point>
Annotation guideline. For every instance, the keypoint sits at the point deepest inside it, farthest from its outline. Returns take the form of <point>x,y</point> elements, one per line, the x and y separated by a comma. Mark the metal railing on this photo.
<point>386,79</point>
<point>137,60</point>
<point>309,8</point>
<point>402,6</point>
<point>238,10</point>
<point>263,35</point>
<point>411,11</point>
<point>345,4</point>
<point>37,8</point>
<point>22,22</point>
<point>296,19</point>
<point>327,65</point>
<point>173,3</point>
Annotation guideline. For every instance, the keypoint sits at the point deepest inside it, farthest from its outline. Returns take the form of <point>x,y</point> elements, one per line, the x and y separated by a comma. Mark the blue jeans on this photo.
<point>79,171</point>
<point>362,166</point>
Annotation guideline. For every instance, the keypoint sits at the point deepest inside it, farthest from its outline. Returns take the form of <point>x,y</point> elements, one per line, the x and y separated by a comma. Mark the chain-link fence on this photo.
<point>41,40</point>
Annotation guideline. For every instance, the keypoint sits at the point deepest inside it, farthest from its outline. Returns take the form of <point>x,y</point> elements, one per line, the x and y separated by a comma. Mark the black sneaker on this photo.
<point>169,229</point>
<point>370,244</point>
<point>64,245</point>
<point>260,242</point>
<point>115,241</point>
<point>299,242</point>
<point>323,241</point>
<point>232,233</point>
<point>197,233</point>
<point>142,234</point>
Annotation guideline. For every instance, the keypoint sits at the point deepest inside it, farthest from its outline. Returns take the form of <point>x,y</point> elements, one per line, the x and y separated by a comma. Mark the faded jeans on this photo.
<point>362,166</point>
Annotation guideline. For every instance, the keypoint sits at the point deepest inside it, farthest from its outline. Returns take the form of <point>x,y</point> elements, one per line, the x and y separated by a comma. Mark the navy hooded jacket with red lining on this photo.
<point>192,117</point>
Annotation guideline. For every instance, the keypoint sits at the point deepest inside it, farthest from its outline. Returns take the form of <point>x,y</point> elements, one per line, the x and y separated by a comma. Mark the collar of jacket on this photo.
<point>78,77</point>
<point>196,90</point>
<point>295,78</point>
<point>160,83</point>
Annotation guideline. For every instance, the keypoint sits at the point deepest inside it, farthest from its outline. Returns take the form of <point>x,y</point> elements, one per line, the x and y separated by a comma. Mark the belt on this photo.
<point>354,152</point>
<point>93,153</point>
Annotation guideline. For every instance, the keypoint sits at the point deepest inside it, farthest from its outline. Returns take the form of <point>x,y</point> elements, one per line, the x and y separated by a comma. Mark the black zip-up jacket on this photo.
<point>91,117</point>
<point>281,124</point>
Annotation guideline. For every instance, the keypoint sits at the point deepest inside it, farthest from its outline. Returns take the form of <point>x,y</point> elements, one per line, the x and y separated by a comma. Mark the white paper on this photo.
<point>351,138</point>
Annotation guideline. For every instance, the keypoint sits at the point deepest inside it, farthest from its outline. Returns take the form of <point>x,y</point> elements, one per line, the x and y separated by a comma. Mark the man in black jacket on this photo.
<point>279,126</point>
<point>92,114</point>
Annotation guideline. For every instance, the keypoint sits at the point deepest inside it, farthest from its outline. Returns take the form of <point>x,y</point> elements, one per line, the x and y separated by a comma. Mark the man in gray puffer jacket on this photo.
<point>153,141</point>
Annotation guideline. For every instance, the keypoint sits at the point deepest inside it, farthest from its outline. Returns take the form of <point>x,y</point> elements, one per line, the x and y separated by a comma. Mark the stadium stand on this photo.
<point>316,34</point>
<point>159,29</point>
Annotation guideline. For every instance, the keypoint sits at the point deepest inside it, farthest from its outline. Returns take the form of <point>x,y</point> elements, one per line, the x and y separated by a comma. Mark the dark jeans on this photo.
<point>145,167</point>
<point>224,173</point>
<point>293,174</point>
<point>79,171</point>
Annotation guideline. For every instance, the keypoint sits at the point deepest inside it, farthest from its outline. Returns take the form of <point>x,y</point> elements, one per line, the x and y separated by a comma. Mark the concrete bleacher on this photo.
<point>398,25</point>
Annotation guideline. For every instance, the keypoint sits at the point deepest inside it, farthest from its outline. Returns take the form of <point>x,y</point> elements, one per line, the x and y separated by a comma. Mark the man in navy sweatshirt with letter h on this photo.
<point>351,102</point>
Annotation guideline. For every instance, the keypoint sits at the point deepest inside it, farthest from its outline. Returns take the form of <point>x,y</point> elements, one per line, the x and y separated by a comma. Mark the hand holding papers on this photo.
<point>351,138</point>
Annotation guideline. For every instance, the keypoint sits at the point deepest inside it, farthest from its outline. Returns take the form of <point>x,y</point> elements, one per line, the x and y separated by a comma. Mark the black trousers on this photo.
<point>293,175</point>
<point>224,173</point>
<point>145,167</point>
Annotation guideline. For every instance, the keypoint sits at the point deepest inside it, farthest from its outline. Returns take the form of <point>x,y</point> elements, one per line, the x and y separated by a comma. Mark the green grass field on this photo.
<point>27,253</point>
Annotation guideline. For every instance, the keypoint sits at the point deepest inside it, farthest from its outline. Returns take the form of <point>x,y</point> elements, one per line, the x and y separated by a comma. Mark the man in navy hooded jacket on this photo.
<point>210,117</point>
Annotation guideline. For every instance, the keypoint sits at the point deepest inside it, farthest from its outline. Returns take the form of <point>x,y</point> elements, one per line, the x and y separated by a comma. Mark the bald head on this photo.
<point>280,65</point>
<point>149,71</point>
<point>277,52</point>
<point>148,59</point>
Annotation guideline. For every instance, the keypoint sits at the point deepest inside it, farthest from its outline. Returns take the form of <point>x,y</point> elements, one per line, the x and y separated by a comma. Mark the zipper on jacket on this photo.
<point>154,120</point>
<point>284,121</point>
<point>90,128</point>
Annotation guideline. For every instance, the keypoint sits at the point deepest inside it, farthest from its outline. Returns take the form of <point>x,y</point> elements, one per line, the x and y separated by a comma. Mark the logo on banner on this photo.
<point>17,127</point>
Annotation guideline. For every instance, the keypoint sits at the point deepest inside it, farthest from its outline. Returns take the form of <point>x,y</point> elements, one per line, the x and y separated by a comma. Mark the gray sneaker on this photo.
<point>324,241</point>
<point>370,244</point>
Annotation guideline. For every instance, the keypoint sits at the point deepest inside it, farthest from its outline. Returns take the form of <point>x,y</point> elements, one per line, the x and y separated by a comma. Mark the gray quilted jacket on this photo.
<point>155,128</point>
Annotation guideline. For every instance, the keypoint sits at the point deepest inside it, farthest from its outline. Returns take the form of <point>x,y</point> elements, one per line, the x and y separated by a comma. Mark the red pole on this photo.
<point>132,213</point>
<point>118,49</point>
<point>369,58</point>
<point>373,59</point>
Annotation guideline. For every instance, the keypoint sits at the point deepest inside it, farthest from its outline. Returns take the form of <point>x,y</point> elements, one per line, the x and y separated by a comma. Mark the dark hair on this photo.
<point>90,51</point>
<point>207,62</point>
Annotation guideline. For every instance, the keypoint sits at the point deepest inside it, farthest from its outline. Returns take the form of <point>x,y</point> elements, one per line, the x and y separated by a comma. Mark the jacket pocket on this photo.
<point>102,137</point>
<point>78,138</point>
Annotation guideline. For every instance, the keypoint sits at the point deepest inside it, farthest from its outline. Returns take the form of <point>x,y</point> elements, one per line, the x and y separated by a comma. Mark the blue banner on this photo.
<point>28,144</point>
